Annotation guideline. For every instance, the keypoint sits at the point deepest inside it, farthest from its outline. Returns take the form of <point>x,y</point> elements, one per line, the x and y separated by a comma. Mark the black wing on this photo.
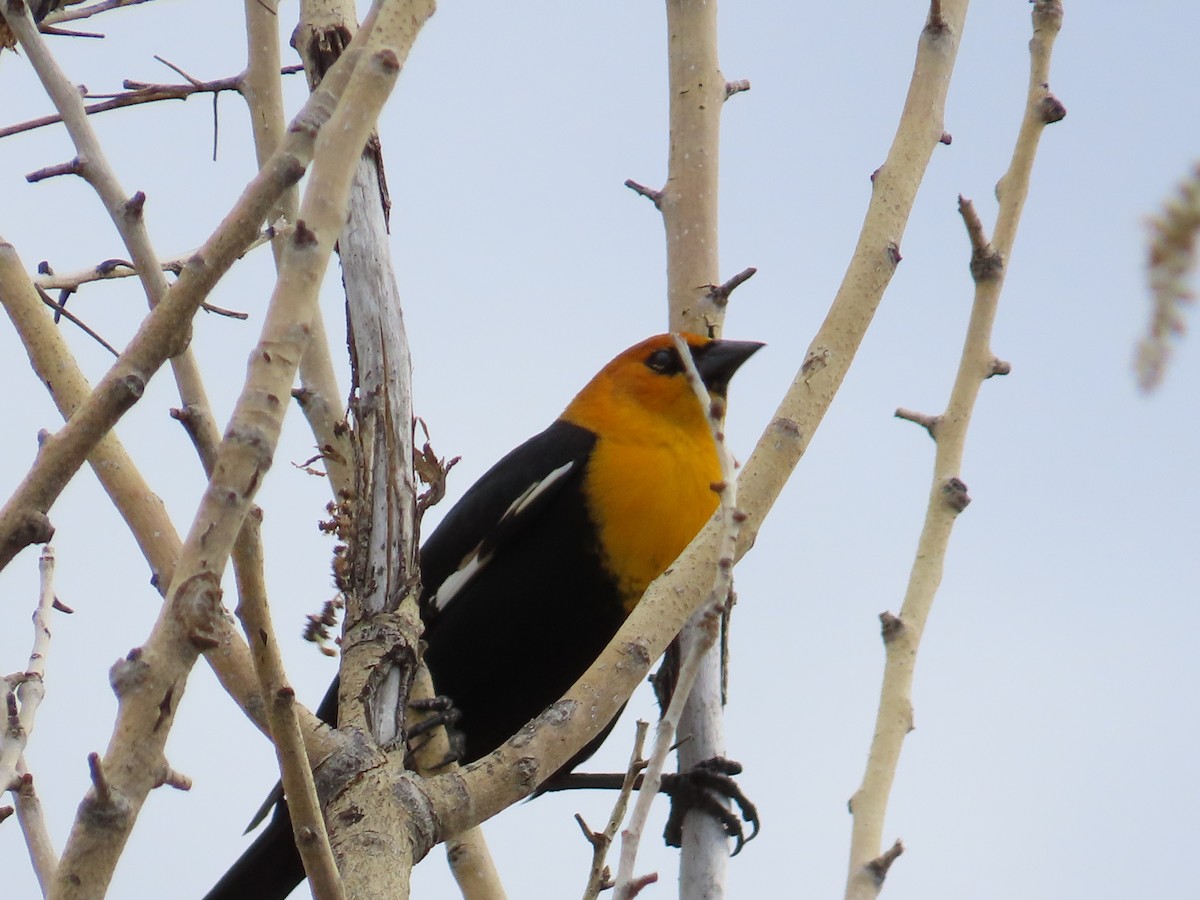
<point>513,591</point>
<point>498,509</point>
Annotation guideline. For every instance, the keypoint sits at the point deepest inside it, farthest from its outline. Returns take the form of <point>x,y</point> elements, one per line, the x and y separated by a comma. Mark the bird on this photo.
<point>530,574</point>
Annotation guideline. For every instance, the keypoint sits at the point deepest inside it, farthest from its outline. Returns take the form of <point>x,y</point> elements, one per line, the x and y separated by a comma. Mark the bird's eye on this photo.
<point>664,362</point>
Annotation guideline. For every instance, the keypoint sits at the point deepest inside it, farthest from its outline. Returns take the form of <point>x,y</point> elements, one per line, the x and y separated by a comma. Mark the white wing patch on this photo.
<point>474,564</point>
<point>535,490</point>
<point>457,579</point>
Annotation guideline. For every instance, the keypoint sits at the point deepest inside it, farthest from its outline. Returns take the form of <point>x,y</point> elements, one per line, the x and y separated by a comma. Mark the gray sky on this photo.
<point>1057,726</point>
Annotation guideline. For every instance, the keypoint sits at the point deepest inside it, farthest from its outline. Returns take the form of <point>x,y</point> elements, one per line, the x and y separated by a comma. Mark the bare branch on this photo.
<point>308,825</point>
<point>161,333</point>
<point>697,92</point>
<point>24,697</point>
<point>73,13</point>
<point>60,309</point>
<point>142,92</point>
<point>121,268</point>
<point>948,495</point>
<point>263,92</point>
<point>599,878</point>
<point>698,638</point>
<point>185,626</point>
<point>32,819</point>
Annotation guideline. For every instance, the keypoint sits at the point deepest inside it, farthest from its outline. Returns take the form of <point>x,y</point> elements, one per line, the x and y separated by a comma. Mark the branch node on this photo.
<point>926,421</point>
<point>595,838</point>
<point>954,491</point>
<point>99,780</point>
<point>946,138</point>
<point>999,367</point>
<point>72,167</point>
<point>935,24</point>
<point>304,236</point>
<point>719,293</point>
<point>134,206</point>
<point>128,673</point>
<point>736,87</point>
<point>986,261</point>
<point>879,866</point>
<point>650,194</point>
<point>169,777</point>
<point>890,627</point>
<point>1051,109</point>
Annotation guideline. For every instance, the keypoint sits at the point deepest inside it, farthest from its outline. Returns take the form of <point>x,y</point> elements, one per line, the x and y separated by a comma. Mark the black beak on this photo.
<point>716,362</point>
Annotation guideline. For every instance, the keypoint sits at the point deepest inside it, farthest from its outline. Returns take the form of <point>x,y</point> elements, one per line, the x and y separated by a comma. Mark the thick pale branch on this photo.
<point>381,626</point>
<point>689,197</point>
<point>261,88</point>
<point>263,92</point>
<point>688,202</point>
<point>128,218</point>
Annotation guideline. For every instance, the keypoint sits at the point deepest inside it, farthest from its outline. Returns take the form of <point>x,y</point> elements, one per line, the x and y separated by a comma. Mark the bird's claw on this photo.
<point>442,712</point>
<point>704,788</point>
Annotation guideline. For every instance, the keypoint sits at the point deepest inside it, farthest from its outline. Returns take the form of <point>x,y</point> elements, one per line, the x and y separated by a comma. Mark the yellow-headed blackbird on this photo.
<point>532,572</point>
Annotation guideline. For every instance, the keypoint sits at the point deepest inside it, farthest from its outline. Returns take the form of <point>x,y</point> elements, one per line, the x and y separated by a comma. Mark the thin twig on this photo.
<point>654,196</point>
<point>599,878</point>
<point>925,420</point>
<point>22,519</point>
<point>83,12</point>
<point>121,268</point>
<point>142,92</point>
<point>60,309</point>
<point>719,294</point>
<point>706,636</point>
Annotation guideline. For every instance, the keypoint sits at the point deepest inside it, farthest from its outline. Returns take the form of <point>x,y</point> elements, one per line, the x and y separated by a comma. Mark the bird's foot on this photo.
<point>706,788</point>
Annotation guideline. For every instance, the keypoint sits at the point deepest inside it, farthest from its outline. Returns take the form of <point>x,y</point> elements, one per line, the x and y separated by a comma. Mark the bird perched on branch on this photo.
<point>532,572</point>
